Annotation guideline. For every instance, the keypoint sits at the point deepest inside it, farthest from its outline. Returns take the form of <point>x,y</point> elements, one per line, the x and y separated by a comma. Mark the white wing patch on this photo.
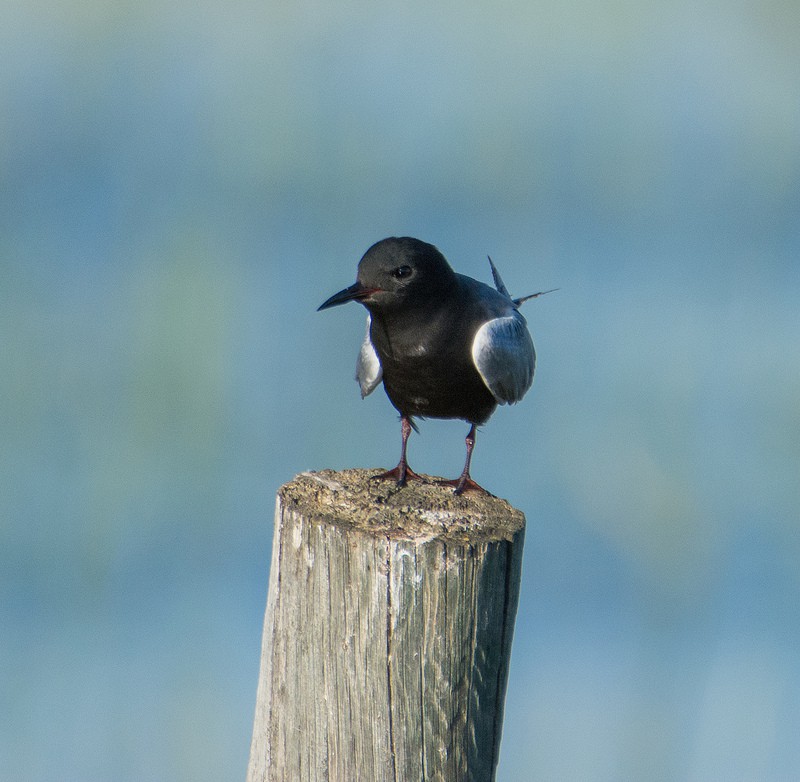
<point>368,367</point>
<point>504,356</point>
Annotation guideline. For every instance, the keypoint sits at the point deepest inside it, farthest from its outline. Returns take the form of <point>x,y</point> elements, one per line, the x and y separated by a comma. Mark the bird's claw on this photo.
<point>464,484</point>
<point>400,475</point>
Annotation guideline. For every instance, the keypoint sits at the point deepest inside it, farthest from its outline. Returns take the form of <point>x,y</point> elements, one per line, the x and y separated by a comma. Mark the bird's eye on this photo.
<point>401,272</point>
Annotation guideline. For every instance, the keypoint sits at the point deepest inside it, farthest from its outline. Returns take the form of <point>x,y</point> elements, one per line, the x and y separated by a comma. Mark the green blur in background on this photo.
<point>181,185</point>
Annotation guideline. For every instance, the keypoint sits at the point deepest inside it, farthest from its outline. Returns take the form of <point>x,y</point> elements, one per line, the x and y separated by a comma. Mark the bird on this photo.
<point>444,345</point>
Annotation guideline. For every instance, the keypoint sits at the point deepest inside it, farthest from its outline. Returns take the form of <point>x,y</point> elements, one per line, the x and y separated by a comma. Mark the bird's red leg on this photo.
<point>464,482</point>
<point>402,472</point>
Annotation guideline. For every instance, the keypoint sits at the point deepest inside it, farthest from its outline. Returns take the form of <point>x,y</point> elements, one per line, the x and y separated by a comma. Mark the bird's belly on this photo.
<point>417,386</point>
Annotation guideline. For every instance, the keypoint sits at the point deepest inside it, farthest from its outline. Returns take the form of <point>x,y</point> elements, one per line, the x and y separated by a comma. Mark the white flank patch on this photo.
<point>504,356</point>
<point>368,367</point>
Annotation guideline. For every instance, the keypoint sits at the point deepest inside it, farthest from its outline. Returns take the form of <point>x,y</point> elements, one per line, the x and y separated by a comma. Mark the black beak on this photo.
<point>356,292</point>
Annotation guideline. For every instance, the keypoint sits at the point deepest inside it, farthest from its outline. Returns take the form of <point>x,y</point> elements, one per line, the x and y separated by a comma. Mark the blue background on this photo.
<point>181,184</point>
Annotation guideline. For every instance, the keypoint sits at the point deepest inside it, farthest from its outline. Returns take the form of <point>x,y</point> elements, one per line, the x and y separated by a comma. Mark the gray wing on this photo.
<point>368,367</point>
<point>504,357</point>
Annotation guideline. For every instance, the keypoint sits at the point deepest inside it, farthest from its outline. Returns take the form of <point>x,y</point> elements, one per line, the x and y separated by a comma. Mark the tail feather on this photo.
<point>501,288</point>
<point>523,299</point>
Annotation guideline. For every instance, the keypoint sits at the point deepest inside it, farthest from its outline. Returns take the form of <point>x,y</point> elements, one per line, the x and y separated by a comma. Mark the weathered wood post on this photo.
<point>387,633</point>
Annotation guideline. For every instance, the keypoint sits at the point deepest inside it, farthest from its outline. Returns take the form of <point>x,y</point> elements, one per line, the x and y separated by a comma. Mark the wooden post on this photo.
<point>387,633</point>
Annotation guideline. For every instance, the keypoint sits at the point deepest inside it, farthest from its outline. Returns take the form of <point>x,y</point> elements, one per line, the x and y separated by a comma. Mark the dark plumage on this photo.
<point>444,345</point>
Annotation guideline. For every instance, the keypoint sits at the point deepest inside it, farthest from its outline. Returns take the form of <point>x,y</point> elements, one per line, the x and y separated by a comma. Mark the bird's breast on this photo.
<point>417,351</point>
<point>440,382</point>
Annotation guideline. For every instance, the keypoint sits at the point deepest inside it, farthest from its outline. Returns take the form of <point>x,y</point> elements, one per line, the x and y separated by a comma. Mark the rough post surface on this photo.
<point>387,633</point>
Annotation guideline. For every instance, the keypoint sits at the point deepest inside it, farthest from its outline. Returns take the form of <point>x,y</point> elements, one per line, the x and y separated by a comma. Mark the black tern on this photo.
<point>444,344</point>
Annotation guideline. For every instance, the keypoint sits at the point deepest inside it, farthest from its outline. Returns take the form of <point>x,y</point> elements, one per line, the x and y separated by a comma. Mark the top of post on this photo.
<point>419,511</point>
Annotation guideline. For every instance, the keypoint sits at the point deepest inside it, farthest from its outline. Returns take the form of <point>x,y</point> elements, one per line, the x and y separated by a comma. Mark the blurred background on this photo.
<point>182,184</point>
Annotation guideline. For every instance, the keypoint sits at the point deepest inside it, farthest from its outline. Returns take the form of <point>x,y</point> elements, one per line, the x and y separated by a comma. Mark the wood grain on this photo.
<point>387,634</point>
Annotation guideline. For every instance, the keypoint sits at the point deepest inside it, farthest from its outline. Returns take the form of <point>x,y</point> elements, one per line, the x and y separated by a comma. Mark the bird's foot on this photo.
<point>399,475</point>
<point>463,484</point>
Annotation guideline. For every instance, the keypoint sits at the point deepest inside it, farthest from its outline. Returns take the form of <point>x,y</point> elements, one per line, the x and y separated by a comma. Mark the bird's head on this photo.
<point>397,273</point>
